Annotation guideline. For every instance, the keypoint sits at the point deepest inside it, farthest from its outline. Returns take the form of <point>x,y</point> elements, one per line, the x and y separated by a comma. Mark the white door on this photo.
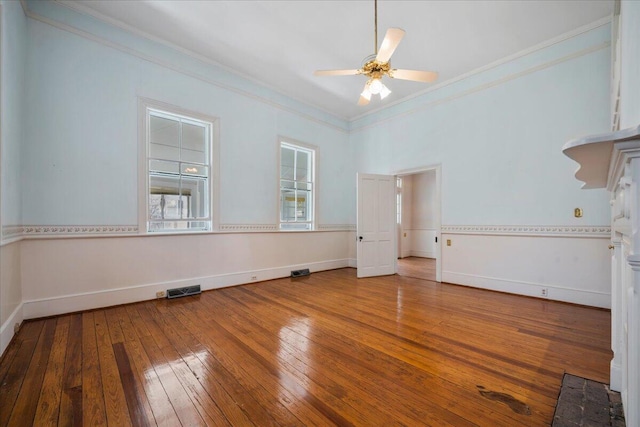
<point>376,228</point>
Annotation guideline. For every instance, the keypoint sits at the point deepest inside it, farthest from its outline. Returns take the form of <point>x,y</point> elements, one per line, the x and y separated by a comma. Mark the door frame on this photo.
<point>438,208</point>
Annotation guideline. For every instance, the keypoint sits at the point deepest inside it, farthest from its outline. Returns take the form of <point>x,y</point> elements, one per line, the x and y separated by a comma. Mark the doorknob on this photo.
<point>360,238</point>
<point>611,246</point>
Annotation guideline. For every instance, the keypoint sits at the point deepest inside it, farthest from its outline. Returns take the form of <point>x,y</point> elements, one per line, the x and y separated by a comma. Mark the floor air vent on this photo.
<point>183,292</point>
<point>300,273</point>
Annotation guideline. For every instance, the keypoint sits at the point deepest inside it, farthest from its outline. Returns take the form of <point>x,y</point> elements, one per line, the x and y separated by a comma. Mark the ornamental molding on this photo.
<point>337,227</point>
<point>529,230</point>
<point>248,227</point>
<point>77,230</point>
<point>12,232</point>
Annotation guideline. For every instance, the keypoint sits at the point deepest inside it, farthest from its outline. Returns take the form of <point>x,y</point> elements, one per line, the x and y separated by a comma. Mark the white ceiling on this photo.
<point>281,43</point>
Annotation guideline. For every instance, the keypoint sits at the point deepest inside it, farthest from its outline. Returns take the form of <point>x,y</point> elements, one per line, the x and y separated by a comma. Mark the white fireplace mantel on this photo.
<point>612,161</point>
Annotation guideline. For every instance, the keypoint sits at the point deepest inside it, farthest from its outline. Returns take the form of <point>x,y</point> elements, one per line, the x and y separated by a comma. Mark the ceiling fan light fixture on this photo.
<point>384,92</point>
<point>375,86</point>
<point>366,93</point>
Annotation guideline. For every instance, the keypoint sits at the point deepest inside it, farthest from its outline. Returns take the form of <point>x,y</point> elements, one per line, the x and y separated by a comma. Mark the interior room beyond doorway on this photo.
<point>418,224</point>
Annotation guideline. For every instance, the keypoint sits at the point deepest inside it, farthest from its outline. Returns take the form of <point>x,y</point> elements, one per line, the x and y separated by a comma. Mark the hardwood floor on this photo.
<point>420,268</point>
<point>328,349</point>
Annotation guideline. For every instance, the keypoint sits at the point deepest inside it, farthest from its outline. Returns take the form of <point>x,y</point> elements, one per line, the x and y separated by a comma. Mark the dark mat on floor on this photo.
<point>583,402</point>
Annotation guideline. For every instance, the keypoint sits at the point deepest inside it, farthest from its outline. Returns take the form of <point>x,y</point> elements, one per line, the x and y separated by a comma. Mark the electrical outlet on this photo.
<point>254,277</point>
<point>544,292</point>
<point>160,294</point>
<point>448,242</point>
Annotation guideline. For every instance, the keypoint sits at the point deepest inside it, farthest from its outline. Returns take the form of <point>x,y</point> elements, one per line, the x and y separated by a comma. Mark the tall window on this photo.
<point>179,170</point>
<point>297,172</point>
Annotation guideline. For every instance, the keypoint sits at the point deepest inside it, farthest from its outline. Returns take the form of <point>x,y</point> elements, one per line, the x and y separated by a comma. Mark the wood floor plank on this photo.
<point>93,404</point>
<point>148,381</point>
<point>350,356</point>
<point>15,369</point>
<point>114,397</point>
<point>266,389</point>
<point>70,413</point>
<point>48,409</point>
<point>200,398</point>
<point>26,405</point>
<point>179,396</point>
<point>327,349</point>
<point>182,340</point>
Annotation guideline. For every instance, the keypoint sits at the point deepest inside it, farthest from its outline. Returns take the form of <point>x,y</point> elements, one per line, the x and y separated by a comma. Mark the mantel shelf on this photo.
<point>594,153</point>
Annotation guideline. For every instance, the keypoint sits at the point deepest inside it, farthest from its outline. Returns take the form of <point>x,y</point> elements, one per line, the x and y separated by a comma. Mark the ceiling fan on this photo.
<point>377,65</point>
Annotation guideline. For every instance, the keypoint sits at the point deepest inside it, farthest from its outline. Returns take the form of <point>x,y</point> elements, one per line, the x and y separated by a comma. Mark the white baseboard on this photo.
<point>422,254</point>
<point>110,297</point>
<point>556,293</point>
<point>353,262</point>
<point>615,377</point>
<point>6,330</point>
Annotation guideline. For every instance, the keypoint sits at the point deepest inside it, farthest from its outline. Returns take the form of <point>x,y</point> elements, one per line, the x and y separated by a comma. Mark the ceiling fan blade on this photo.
<point>336,72</point>
<point>389,44</point>
<point>414,75</point>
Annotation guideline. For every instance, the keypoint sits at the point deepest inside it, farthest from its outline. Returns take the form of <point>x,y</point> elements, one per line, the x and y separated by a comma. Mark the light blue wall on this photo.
<point>630,73</point>
<point>14,48</point>
<point>499,135</point>
<point>82,147</point>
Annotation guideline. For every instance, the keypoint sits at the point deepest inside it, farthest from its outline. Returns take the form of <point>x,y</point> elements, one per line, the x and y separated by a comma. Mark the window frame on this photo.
<point>145,108</point>
<point>314,183</point>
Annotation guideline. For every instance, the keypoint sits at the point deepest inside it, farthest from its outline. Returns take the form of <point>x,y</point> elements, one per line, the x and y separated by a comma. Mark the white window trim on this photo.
<point>144,104</point>
<point>316,186</point>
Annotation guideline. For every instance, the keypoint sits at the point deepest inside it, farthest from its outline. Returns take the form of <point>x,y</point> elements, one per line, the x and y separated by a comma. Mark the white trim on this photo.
<point>184,71</point>
<point>548,43</point>
<point>422,254</point>
<point>110,297</point>
<point>556,293</point>
<point>484,86</point>
<point>603,231</point>
<point>7,331</point>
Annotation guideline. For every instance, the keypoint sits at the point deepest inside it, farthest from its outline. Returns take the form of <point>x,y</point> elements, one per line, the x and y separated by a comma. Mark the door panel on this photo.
<point>376,225</point>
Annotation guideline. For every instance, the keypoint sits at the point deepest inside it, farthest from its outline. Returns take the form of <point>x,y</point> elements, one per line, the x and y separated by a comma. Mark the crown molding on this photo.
<point>530,230</point>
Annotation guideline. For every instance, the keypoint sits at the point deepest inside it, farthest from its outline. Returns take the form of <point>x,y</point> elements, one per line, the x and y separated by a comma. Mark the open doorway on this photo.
<point>418,217</point>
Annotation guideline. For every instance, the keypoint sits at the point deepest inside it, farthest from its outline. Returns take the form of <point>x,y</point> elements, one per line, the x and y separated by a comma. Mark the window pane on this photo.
<point>193,143</point>
<point>302,166</point>
<point>164,138</point>
<point>289,185</point>
<point>194,191</point>
<point>303,186</point>
<point>287,156</point>
<point>159,184</point>
<point>303,203</point>
<point>287,205</point>
<point>161,166</point>
<point>194,170</point>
